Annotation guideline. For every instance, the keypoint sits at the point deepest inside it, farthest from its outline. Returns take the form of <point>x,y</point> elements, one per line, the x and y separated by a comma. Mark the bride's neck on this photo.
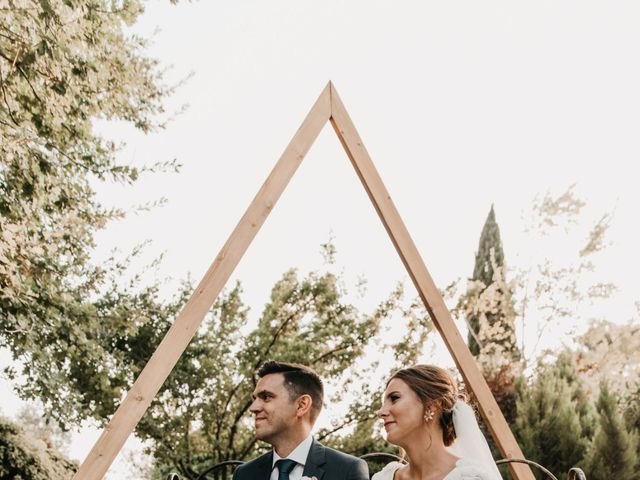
<point>427,459</point>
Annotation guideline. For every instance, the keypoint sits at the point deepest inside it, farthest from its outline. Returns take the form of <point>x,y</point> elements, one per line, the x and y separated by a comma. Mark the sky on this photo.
<point>461,105</point>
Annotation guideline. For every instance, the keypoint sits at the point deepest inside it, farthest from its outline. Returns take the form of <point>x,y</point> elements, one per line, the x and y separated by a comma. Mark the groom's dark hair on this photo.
<point>298,380</point>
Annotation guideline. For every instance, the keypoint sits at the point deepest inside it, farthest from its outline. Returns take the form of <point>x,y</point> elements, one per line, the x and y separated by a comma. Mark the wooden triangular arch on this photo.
<point>328,107</point>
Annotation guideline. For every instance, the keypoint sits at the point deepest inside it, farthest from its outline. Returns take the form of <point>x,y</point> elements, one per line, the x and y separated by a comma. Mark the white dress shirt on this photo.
<point>299,455</point>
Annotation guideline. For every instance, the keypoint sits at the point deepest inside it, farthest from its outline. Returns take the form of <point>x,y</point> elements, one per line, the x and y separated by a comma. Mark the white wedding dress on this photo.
<point>464,470</point>
<point>474,456</point>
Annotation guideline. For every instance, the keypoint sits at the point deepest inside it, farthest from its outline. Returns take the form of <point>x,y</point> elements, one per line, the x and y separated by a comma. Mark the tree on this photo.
<point>554,417</point>
<point>488,303</point>
<point>632,408</point>
<point>543,292</point>
<point>581,393</point>
<point>613,451</point>
<point>39,427</point>
<point>23,457</point>
<point>608,347</point>
<point>554,290</point>
<point>64,64</point>
<point>487,307</point>
<point>631,415</point>
<point>202,417</point>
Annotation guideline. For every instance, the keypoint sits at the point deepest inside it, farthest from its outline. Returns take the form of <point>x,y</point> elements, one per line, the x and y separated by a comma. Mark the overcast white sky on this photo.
<point>460,104</point>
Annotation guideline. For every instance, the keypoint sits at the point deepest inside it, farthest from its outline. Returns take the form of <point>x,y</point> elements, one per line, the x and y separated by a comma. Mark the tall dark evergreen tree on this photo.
<point>489,305</point>
<point>489,240</point>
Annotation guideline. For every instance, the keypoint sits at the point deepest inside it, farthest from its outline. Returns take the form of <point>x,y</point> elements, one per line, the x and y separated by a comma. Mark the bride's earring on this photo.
<point>428,416</point>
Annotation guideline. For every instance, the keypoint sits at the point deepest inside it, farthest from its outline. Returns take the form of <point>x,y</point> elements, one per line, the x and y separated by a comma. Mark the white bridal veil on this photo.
<point>470,443</point>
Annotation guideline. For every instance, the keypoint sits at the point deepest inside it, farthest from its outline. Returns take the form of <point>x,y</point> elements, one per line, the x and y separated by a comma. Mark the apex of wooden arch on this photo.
<point>328,107</point>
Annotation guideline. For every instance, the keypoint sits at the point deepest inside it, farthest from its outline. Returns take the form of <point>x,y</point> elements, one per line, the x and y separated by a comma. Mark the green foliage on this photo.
<point>22,457</point>
<point>64,64</point>
<point>613,452</point>
<point>631,403</point>
<point>632,408</point>
<point>554,418</point>
<point>490,253</point>
<point>565,369</point>
<point>200,416</point>
<point>488,304</point>
<point>488,309</point>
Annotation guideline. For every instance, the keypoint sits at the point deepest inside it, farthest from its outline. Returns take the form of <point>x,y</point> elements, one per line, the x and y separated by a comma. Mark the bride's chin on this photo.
<point>392,440</point>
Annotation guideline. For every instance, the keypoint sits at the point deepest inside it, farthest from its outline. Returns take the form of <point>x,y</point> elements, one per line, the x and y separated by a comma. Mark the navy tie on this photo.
<point>284,468</point>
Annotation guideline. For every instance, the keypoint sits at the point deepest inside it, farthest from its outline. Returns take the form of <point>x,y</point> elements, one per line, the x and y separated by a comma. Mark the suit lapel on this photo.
<point>264,466</point>
<point>315,460</point>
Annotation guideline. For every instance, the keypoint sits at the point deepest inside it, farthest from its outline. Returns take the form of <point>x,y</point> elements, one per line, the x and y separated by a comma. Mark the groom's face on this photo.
<point>272,407</point>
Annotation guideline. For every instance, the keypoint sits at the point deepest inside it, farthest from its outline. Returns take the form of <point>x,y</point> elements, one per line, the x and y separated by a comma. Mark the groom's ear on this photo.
<point>303,405</point>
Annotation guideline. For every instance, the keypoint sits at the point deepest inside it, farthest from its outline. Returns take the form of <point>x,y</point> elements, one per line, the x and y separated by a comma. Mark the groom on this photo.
<point>286,403</point>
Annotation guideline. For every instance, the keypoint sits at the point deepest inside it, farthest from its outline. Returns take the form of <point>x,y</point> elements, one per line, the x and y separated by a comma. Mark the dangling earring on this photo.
<point>428,416</point>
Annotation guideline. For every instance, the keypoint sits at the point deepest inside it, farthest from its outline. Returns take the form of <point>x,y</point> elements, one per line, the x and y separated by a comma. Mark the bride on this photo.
<point>424,415</point>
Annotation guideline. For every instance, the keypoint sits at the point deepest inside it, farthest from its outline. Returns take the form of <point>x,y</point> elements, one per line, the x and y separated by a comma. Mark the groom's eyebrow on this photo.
<point>262,394</point>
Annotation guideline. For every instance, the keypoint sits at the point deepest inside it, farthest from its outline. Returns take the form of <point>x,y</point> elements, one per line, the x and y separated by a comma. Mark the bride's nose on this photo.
<point>382,413</point>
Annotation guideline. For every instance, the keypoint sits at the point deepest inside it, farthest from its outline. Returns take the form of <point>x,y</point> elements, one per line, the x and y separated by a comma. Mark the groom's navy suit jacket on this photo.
<point>322,462</point>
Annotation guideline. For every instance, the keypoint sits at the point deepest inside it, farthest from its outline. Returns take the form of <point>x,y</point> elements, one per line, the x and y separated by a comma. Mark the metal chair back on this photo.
<point>574,473</point>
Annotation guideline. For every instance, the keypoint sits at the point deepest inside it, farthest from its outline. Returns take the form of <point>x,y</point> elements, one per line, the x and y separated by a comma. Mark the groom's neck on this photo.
<point>288,442</point>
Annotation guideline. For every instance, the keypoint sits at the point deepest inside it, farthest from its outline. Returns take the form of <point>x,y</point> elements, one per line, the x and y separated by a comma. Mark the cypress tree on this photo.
<point>489,240</point>
<point>612,453</point>
<point>489,303</point>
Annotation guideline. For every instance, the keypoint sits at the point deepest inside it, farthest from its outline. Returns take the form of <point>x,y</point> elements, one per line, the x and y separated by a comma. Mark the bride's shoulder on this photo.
<point>468,470</point>
<point>387,472</point>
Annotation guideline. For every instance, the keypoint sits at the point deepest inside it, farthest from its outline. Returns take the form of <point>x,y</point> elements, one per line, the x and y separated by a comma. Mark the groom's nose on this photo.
<point>254,408</point>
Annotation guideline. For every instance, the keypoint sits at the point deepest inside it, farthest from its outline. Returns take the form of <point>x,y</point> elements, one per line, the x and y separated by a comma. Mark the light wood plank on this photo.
<point>421,278</point>
<point>180,334</point>
<point>328,106</point>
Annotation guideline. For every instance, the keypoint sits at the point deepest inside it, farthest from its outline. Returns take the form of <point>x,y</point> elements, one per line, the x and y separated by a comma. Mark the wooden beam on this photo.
<point>421,278</point>
<point>327,107</point>
<point>181,332</point>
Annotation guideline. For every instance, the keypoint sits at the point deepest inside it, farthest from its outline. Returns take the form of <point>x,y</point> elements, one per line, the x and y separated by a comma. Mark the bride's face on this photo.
<point>402,412</point>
